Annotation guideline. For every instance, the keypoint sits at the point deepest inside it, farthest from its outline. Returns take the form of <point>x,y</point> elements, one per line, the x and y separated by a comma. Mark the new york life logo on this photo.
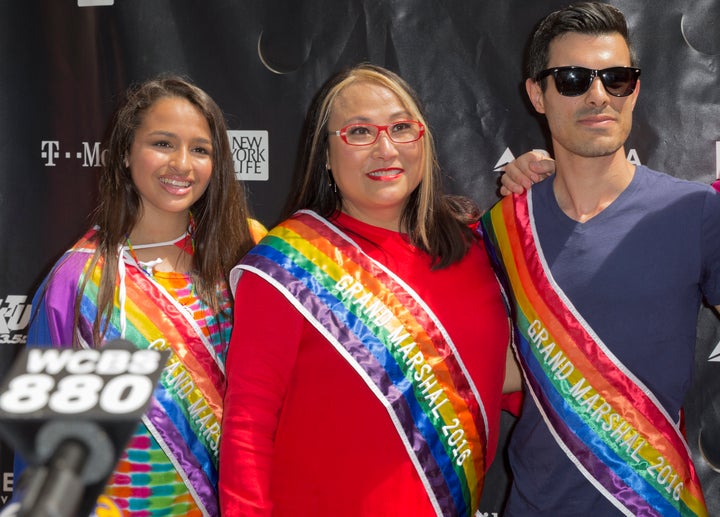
<point>250,150</point>
<point>250,155</point>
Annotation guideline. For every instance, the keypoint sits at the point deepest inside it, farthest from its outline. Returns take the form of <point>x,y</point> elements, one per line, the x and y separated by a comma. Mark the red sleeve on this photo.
<point>512,402</point>
<point>260,360</point>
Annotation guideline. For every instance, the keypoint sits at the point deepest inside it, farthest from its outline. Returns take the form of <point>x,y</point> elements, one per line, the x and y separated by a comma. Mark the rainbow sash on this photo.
<point>605,420</point>
<point>394,342</point>
<point>185,413</point>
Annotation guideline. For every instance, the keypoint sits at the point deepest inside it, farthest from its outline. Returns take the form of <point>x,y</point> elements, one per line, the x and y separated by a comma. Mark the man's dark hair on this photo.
<point>592,18</point>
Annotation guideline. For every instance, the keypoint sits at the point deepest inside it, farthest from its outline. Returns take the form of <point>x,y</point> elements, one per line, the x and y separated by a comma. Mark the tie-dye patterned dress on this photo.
<point>170,465</point>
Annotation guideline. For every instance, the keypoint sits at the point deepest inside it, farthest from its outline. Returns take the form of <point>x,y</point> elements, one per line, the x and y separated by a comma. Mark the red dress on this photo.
<point>302,433</point>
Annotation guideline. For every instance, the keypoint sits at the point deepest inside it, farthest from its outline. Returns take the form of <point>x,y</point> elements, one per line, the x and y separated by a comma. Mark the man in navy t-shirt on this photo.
<point>614,263</point>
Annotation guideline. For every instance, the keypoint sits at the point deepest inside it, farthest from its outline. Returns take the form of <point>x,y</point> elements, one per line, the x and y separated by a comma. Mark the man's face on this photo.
<point>594,123</point>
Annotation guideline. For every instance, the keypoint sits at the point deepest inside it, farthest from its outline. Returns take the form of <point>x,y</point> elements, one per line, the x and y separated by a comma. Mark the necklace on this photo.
<point>181,242</point>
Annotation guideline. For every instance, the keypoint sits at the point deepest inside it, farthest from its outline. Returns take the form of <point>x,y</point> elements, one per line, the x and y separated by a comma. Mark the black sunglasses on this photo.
<point>571,81</point>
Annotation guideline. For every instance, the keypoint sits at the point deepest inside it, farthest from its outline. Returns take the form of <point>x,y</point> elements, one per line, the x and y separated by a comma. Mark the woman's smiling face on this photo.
<point>170,159</point>
<point>376,180</point>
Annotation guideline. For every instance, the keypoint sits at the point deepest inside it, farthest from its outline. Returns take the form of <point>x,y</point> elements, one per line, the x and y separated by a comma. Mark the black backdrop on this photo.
<point>63,63</point>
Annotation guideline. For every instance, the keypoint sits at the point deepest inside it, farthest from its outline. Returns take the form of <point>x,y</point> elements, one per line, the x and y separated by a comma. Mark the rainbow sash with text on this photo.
<point>394,342</point>
<point>185,413</point>
<point>603,418</point>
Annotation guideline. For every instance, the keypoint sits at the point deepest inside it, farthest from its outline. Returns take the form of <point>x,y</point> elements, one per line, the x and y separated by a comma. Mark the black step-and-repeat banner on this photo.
<point>64,63</point>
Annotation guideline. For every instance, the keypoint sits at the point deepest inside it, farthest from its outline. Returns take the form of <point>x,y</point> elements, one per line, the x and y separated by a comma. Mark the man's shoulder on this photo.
<point>679,201</point>
<point>661,179</point>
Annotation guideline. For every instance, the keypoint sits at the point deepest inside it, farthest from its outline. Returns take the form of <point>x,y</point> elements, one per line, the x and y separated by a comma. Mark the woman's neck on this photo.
<point>387,219</point>
<point>160,229</point>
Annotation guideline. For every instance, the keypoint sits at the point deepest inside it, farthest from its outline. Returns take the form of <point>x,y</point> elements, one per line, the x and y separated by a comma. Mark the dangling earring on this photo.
<point>331,180</point>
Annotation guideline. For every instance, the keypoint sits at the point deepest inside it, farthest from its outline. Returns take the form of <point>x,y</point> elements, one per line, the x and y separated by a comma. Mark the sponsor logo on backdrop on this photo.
<point>250,154</point>
<point>249,151</point>
<point>7,487</point>
<point>507,156</point>
<point>88,154</point>
<point>90,3</point>
<point>715,354</point>
<point>14,318</point>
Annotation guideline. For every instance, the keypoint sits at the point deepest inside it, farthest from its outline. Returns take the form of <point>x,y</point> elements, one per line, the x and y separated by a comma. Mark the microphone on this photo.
<point>69,414</point>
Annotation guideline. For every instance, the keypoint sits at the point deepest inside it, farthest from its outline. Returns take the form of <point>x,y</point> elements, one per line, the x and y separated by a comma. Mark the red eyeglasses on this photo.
<point>400,132</point>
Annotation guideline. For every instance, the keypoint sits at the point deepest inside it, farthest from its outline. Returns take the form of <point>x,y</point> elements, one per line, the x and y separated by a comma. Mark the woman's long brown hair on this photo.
<point>222,234</point>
